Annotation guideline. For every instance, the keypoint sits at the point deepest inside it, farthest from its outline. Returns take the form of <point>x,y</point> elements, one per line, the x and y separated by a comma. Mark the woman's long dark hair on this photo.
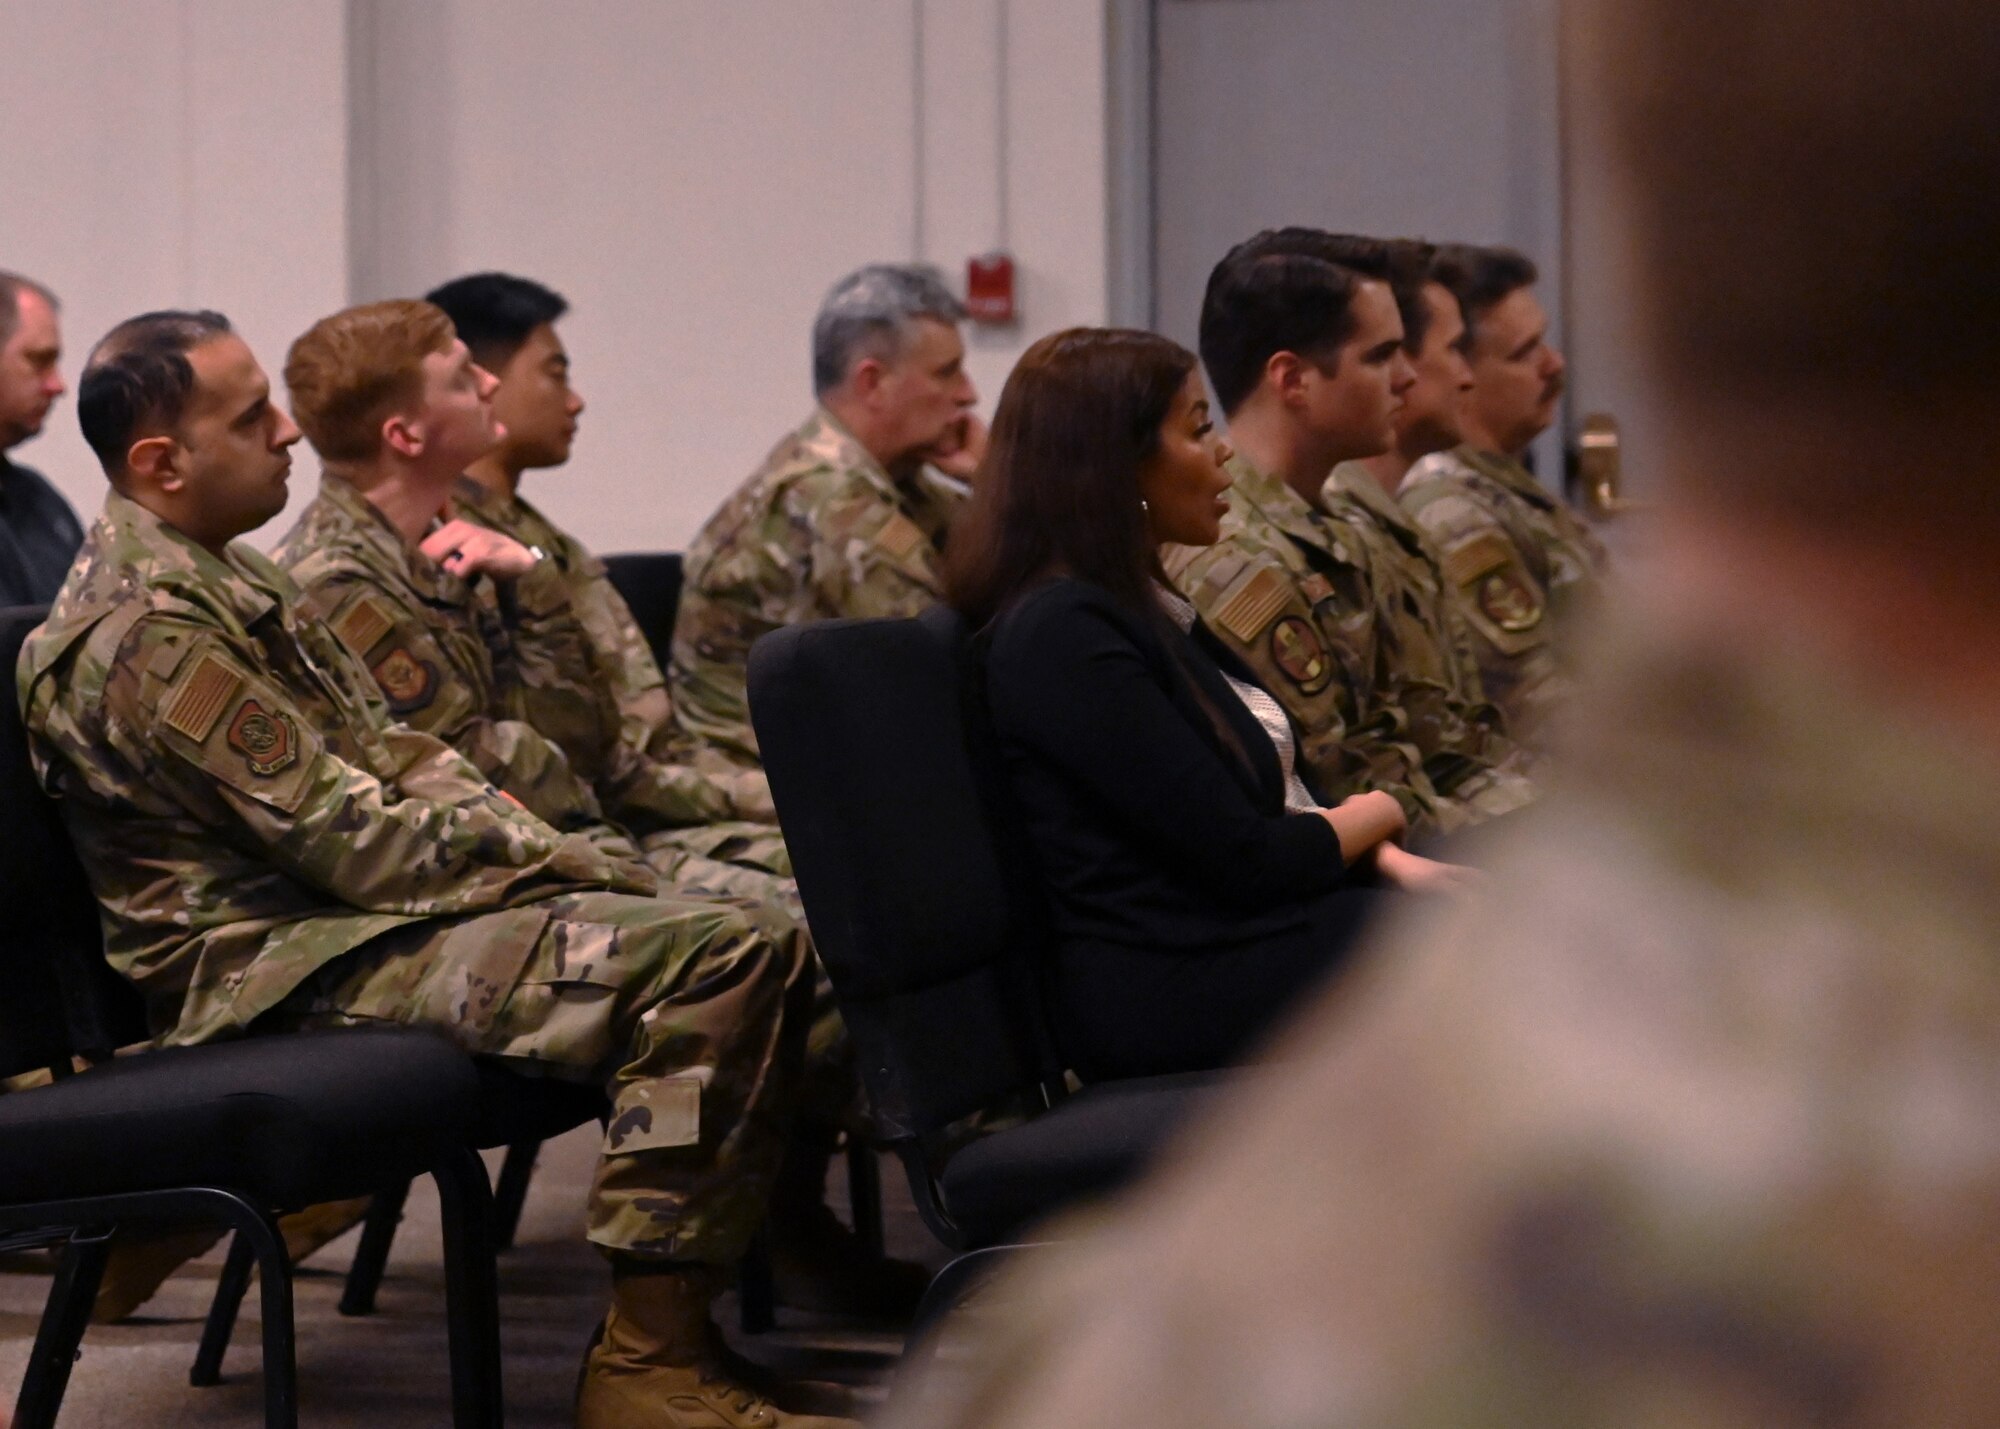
<point>1059,489</point>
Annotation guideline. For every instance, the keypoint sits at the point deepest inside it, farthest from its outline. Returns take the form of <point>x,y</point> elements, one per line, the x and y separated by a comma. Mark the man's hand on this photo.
<point>467,550</point>
<point>963,447</point>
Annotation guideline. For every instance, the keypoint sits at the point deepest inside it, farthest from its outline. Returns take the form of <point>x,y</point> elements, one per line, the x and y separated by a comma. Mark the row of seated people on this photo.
<point>422,767</point>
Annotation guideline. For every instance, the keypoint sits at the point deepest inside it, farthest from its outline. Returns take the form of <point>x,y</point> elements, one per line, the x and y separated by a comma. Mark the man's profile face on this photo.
<point>1517,376</point>
<point>1354,402</point>
<point>456,410</point>
<point>535,403</point>
<point>235,442</point>
<point>1430,420</point>
<point>30,380</point>
<point>925,391</point>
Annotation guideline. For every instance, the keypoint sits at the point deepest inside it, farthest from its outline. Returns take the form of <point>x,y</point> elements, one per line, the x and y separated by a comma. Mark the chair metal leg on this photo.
<point>756,1294</point>
<point>864,1193</point>
<point>512,1191</point>
<point>274,1293</point>
<point>221,1324</point>
<point>472,1296</point>
<point>371,1257</point>
<point>64,1318</point>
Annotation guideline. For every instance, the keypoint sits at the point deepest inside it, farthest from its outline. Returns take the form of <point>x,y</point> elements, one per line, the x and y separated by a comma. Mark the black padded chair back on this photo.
<point>58,996</point>
<point>916,903</point>
<point>650,582</point>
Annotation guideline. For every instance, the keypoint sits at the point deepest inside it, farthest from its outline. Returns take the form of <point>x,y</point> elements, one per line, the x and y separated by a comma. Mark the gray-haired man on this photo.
<point>847,514</point>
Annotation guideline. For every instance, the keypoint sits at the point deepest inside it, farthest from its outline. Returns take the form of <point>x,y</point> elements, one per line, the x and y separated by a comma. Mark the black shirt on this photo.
<point>39,536</point>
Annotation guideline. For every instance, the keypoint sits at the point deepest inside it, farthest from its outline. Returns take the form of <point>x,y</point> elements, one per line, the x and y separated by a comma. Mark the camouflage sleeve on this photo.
<point>868,559</point>
<point>1297,636</point>
<point>434,684</point>
<point>232,749</point>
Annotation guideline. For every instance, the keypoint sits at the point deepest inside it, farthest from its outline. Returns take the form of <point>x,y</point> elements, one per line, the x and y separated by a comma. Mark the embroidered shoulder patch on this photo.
<point>1250,607</point>
<point>407,682</point>
<point>363,624</point>
<point>1297,651</point>
<point>900,536</point>
<point>197,702</point>
<point>267,740</point>
<point>1469,560</point>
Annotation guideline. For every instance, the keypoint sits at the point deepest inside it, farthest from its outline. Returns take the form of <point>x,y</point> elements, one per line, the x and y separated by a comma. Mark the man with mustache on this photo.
<point>1521,561</point>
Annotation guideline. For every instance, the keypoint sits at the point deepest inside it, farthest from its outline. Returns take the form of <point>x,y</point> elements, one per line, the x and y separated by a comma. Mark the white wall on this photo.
<point>693,176</point>
<point>168,153</point>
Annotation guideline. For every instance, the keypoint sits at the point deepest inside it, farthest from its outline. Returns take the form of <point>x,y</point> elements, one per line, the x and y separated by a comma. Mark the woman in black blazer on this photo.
<point>1199,890</point>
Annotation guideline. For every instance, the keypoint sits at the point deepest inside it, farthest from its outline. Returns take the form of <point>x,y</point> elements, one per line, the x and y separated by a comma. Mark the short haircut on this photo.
<point>1403,263</point>
<point>868,314</point>
<point>495,312</point>
<point>349,372</point>
<point>12,285</point>
<point>137,380</point>
<point>1479,277</point>
<point>1264,298</point>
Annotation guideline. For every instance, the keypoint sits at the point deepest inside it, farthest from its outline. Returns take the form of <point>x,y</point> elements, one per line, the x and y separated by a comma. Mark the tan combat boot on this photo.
<point>655,1366</point>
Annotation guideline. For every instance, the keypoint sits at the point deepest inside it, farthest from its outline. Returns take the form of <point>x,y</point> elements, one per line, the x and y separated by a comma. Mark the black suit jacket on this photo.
<point>1151,831</point>
<point>39,536</point>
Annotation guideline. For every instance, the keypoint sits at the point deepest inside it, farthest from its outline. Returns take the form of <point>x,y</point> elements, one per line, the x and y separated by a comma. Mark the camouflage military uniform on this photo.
<point>434,644</point>
<point>1337,611</point>
<point>269,849</point>
<point>819,531</point>
<point>1524,567</point>
<point>588,680</point>
<point>1696,1123</point>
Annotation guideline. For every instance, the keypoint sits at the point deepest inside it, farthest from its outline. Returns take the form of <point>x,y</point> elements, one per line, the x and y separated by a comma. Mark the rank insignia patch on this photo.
<point>407,682</point>
<point>1296,649</point>
<point>268,742</point>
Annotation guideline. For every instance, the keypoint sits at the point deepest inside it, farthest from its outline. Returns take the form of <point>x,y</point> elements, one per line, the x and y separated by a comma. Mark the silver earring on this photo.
<point>1144,509</point>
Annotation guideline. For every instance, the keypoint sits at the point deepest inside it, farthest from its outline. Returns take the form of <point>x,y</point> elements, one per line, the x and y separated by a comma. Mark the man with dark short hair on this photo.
<point>1524,566</point>
<point>271,851</point>
<point>847,515</point>
<point>1336,610</point>
<point>1695,1121</point>
<point>39,533</point>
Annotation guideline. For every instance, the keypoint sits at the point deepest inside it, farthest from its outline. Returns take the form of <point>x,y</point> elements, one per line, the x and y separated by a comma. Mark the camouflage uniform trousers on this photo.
<point>690,1014</point>
<point>746,864</point>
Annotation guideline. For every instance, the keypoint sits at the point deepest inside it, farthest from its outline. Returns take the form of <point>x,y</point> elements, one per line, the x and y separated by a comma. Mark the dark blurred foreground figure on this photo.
<point>1698,1121</point>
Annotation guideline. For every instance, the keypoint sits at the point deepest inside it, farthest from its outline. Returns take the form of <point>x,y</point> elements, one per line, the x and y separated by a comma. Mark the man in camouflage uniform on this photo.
<point>424,601</point>
<point>1334,608</point>
<point>1524,565</point>
<point>847,514</point>
<point>1698,1122</point>
<point>332,867</point>
<point>587,679</point>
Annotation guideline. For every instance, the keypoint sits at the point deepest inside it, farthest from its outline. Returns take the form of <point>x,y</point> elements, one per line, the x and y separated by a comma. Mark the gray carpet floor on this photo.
<point>388,1371</point>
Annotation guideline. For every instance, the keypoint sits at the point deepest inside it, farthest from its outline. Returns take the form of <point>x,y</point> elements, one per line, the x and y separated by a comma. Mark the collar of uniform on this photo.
<point>1354,481</point>
<point>484,503</point>
<point>382,546</point>
<point>825,437</point>
<point>1277,503</point>
<point>159,557</point>
<point>1508,472</point>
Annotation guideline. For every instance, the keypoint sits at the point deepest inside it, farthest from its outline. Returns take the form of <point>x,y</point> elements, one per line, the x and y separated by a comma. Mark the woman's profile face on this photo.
<point>1183,481</point>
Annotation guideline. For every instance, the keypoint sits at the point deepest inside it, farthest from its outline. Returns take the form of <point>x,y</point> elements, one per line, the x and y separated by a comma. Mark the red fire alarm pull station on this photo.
<point>989,289</point>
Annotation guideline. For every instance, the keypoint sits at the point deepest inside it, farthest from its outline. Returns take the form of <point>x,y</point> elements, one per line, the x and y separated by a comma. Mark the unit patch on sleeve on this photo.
<point>267,740</point>
<point>1499,595</point>
<point>1296,650</point>
<point>899,536</point>
<point>407,682</point>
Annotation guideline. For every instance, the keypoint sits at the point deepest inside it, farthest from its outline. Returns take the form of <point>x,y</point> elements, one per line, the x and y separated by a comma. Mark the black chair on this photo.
<point>650,582</point>
<point>232,1132</point>
<point>930,919</point>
